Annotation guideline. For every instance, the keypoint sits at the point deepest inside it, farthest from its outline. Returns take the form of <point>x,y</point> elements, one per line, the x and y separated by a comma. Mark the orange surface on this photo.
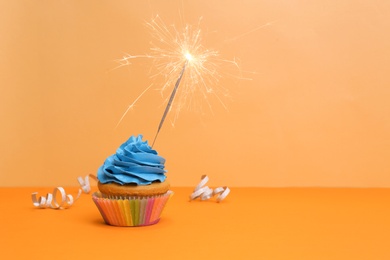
<point>316,111</point>
<point>252,223</point>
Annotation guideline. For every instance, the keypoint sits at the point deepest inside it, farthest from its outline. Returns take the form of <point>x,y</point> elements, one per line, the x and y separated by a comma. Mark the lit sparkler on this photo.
<point>180,57</point>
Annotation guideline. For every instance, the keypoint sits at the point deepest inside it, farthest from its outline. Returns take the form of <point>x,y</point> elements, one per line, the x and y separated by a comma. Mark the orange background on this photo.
<point>316,112</point>
<point>251,223</point>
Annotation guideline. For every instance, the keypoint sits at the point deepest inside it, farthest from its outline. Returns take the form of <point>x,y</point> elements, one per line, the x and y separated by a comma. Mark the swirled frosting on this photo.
<point>134,162</point>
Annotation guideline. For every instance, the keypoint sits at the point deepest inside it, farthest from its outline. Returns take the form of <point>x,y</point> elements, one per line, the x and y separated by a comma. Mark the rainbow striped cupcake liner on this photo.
<point>131,211</point>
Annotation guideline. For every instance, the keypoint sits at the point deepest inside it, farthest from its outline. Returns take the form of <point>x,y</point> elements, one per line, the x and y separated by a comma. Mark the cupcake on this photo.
<point>133,189</point>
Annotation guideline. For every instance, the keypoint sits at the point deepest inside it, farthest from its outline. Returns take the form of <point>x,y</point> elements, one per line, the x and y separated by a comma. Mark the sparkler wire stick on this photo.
<point>167,108</point>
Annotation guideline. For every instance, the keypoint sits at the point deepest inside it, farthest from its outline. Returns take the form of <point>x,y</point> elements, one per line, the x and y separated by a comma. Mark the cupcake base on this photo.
<point>131,211</point>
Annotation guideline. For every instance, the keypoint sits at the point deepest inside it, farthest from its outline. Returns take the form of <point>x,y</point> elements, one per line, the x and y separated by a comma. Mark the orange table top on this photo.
<point>252,223</point>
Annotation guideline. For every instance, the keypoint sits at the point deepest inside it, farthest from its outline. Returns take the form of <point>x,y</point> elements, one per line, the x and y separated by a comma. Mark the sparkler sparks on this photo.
<point>179,56</point>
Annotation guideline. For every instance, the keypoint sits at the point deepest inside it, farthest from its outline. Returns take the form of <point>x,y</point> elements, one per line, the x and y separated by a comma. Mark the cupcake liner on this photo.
<point>131,211</point>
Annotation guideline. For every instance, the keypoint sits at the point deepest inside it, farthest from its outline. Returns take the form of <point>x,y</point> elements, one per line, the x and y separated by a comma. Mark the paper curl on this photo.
<point>205,192</point>
<point>66,200</point>
<point>84,183</point>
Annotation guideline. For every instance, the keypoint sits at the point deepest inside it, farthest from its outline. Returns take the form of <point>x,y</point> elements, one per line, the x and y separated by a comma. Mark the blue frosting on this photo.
<point>134,162</point>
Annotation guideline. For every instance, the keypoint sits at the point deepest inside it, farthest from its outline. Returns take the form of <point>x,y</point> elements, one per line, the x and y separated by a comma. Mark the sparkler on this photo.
<point>177,53</point>
<point>170,101</point>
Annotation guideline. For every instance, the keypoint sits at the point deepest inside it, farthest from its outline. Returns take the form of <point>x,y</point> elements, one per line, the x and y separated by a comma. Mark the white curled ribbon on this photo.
<point>205,192</point>
<point>222,193</point>
<point>66,200</point>
<point>84,183</point>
